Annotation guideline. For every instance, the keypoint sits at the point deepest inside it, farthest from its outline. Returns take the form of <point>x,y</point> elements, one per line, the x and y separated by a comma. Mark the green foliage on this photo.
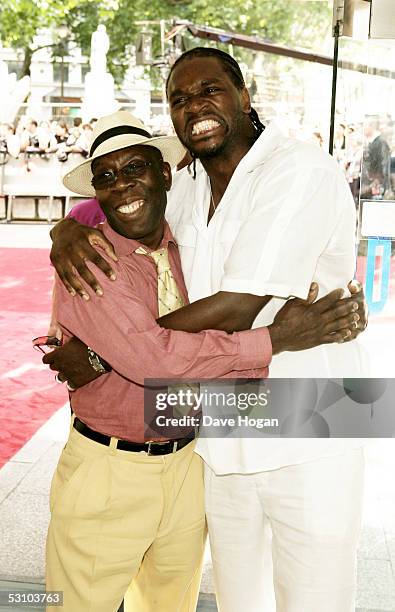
<point>21,20</point>
<point>14,13</point>
<point>291,22</point>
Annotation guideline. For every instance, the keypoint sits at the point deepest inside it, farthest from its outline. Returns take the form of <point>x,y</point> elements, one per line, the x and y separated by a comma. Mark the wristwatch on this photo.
<point>100,366</point>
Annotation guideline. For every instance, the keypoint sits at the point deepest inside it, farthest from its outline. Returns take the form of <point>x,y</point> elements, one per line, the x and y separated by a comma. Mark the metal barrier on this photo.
<point>34,175</point>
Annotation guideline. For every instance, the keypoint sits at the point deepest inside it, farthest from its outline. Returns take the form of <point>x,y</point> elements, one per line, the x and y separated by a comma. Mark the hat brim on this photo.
<point>79,179</point>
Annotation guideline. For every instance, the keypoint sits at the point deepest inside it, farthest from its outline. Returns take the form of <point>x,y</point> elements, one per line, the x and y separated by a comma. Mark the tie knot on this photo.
<point>160,257</point>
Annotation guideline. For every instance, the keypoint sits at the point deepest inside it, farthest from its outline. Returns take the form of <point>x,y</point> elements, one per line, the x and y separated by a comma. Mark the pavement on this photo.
<point>25,481</point>
<point>24,516</point>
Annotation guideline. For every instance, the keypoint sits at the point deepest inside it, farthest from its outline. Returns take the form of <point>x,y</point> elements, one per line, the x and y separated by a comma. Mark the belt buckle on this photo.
<point>152,442</point>
<point>148,451</point>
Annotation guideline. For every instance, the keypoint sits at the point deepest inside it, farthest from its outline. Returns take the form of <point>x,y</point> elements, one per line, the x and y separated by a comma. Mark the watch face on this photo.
<point>95,361</point>
<point>97,365</point>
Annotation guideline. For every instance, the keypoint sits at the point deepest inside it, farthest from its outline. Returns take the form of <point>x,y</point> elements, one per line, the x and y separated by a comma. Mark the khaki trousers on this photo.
<point>121,519</point>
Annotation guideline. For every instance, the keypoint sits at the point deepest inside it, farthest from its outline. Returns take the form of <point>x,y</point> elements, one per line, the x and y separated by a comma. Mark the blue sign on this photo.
<point>376,306</point>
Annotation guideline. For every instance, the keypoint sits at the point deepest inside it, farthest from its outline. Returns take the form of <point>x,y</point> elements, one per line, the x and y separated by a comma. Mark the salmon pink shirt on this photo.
<point>121,327</point>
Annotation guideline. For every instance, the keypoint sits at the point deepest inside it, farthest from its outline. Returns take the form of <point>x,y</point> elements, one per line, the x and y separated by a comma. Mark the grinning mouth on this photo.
<point>201,127</point>
<point>128,209</point>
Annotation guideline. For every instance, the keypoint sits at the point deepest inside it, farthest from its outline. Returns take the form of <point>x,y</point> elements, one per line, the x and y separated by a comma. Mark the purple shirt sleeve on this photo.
<point>87,212</point>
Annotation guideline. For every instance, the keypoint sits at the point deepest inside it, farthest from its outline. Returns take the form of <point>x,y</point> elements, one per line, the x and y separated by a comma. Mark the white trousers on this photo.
<point>296,528</point>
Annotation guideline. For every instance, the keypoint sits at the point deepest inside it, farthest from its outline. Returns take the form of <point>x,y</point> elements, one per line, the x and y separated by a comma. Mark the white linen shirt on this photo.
<point>287,218</point>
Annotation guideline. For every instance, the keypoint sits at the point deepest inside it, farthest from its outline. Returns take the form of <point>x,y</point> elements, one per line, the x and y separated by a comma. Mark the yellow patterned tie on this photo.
<point>169,296</point>
<point>169,299</point>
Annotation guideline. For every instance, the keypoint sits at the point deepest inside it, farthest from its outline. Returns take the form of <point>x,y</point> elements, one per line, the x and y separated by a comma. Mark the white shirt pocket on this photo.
<point>228,234</point>
<point>186,238</point>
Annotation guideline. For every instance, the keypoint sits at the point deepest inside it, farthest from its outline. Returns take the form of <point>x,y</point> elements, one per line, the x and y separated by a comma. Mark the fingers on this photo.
<point>354,286</point>
<point>49,358</point>
<point>353,335</point>
<point>101,263</point>
<point>311,297</point>
<point>349,322</point>
<point>62,378</point>
<point>329,300</point>
<point>75,270</point>
<point>70,263</point>
<point>359,304</point>
<point>340,336</point>
<point>313,293</point>
<point>72,283</point>
<point>358,327</point>
<point>82,272</point>
<point>358,295</point>
<point>64,277</point>
<point>339,309</point>
<point>104,244</point>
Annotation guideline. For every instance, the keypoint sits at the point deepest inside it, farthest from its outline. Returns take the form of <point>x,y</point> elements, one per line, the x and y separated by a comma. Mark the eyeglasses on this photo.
<point>110,177</point>
<point>46,343</point>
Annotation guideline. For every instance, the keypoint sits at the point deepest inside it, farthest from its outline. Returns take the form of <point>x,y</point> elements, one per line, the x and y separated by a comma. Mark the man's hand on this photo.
<point>72,363</point>
<point>73,244</point>
<point>302,324</point>
<point>358,296</point>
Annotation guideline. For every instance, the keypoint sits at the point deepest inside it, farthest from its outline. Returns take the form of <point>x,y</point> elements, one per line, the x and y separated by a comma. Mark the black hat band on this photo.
<point>117,131</point>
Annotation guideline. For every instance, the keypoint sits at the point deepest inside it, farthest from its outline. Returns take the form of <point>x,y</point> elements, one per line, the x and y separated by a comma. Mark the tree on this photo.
<point>22,20</point>
<point>289,22</point>
<point>12,15</point>
<point>282,21</point>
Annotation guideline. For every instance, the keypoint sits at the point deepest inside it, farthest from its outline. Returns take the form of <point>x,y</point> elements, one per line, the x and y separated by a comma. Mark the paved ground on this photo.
<point>24,489</point>
<point>24,486</point>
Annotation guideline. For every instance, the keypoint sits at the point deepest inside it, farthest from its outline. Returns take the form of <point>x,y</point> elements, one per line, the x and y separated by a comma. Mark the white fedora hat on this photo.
<point>114,132</point>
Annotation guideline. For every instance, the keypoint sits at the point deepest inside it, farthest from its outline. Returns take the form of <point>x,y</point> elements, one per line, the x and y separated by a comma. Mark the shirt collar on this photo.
<point>125,246</point>
<point>271,138</point>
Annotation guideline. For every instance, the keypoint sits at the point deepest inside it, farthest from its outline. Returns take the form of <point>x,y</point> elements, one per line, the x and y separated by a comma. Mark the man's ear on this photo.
<point>245,101</point>
<point>166,170</point>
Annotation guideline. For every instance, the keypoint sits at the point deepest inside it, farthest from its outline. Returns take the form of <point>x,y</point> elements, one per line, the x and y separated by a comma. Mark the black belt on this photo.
<point>151,448</point>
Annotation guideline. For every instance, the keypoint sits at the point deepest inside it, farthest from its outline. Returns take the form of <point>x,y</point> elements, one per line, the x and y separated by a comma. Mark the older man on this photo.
<point>259,215</point>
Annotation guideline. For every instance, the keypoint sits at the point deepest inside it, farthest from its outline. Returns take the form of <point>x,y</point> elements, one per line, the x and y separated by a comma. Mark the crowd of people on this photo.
<point>60,137</point>
<point>365,154</point>
<point>46,137</point>
<point>364,151</point>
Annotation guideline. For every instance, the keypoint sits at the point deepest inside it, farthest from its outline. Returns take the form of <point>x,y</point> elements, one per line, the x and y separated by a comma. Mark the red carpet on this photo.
<point>28,393</point>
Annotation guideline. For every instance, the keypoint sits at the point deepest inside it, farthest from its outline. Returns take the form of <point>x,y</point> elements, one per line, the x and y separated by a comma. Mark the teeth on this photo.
<point>131,208</point>
<point>204,126</point>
